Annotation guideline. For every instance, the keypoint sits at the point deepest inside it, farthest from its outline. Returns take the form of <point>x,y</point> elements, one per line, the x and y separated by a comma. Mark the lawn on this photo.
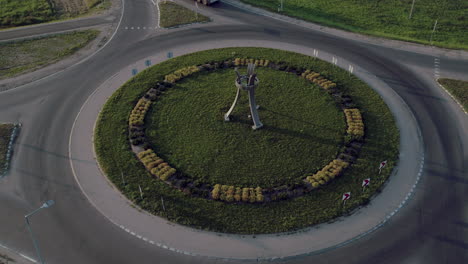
<point>459,89</point>
<point>24,12</point>
<point>388,18</point>
<point>303,129</point>
<point>28,55</point>
<point>323,204</point>
<point>5,135</point>
<point>172,15</point>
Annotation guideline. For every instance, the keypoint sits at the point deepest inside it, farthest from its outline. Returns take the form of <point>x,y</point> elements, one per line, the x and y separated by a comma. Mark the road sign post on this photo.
<point>346,197</point>
<point>382,165</point>
<point>365,183</point>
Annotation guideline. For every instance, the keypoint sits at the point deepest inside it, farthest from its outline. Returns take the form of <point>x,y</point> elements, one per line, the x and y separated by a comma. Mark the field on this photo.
<point>321,205</point>
<point>175,15</point>
<point>389,18</point>
<point>5,134</point>
<point>28,55</point>
<point>15,13</point>
<point>457,88</point>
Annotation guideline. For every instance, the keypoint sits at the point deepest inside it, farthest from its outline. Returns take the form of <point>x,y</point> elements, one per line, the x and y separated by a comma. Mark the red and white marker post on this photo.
<point>346,197</point>
<point>382,165</point>
<point>365,183</point>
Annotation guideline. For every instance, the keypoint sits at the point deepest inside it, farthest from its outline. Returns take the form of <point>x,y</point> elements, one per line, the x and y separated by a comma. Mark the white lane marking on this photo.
<point>153,2</point>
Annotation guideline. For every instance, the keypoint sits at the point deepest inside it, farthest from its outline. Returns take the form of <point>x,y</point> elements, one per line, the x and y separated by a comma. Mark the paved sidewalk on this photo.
<point>395,44</point>
<point>157,231</point>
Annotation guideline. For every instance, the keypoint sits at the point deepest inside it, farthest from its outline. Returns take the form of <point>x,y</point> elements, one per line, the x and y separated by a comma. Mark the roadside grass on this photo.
<point>457,88</point>
<point>303,129</point>
<point>5,135</point>
<point>172,15</point>
<point>389,19</point>
<point>17,13</point>
<point>14,13</point>
<point>24,56</point>
<point>324,204</point>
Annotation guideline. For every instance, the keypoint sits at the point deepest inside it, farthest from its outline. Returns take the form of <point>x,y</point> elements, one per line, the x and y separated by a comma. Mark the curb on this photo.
<point>9,153</point>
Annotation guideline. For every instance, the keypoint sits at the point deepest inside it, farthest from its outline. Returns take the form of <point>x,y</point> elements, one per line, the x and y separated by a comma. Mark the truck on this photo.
<point>206,2</point>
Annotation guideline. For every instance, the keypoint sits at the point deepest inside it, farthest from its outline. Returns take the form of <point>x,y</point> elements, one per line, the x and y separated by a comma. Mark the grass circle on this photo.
<point>303,129</point>
<point>116,157</point>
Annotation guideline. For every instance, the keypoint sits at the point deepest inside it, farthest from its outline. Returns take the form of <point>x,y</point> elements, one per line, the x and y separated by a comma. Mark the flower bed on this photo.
<point>160,169</point>
<point>190,206</point>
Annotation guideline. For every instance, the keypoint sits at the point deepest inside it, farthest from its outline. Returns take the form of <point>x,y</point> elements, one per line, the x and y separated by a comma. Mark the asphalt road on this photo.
<point>432,228</point>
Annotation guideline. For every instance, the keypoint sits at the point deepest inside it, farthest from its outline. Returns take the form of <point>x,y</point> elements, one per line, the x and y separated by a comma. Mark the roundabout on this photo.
<point>246,246</point>
<point>54,156</point>
<point>310,137</point>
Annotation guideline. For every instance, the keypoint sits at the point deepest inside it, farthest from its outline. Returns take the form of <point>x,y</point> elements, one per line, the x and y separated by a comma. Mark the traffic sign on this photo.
<point>365,182</point>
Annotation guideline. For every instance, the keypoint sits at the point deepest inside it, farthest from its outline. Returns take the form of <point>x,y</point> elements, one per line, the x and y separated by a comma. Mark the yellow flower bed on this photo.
<point>316,78</point>
<point>244,61</point>
<point>354,121</point>
<point>138,113</point>
<point>231,193</point>
<point>181,73</point>
<point>155,165</point>
<point>328,173</point>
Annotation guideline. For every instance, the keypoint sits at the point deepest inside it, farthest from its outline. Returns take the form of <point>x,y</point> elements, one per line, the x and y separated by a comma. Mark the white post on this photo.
<point>433,30</point>
<point>141,192</point>
<point>162,202</point>
<point>411,12</point>
<point>123,180</point>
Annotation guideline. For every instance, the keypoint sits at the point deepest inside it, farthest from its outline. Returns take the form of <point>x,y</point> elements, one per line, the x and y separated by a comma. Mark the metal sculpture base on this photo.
<point>247,83</point>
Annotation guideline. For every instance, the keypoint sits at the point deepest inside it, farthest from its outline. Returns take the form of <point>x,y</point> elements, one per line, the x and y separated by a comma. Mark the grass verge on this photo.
<point>389,19</point>
<point>5,136</point>
<point>324,204</point>
<point>24,56</point>
<point>14,13</point>
<point>457,88</point>
<point>17,13</point>
<point>172,15</point>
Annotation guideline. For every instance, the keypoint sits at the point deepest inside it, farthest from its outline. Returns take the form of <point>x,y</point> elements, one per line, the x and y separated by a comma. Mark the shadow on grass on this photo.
<point>285,131</point>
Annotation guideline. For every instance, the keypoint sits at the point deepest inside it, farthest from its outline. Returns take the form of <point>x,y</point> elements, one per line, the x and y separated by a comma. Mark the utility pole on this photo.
<point>411,12</point>
<point>26,218</point>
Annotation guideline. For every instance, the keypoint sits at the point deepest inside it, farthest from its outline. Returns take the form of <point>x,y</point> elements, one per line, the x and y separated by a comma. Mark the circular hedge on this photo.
<point>185,127</point>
